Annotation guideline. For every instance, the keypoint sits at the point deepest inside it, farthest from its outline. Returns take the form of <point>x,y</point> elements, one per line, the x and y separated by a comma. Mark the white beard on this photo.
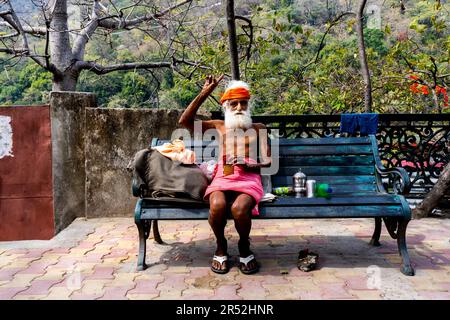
<point>238,121</point>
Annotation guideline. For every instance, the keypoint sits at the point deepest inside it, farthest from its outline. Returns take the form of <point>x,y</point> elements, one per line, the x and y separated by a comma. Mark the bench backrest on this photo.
<point>346,164</point>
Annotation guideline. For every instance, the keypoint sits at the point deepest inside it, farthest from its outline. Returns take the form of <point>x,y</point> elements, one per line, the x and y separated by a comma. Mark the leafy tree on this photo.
<point>66,59</point>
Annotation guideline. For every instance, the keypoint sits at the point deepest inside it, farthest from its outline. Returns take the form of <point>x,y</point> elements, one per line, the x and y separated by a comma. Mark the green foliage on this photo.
<point>374,39</point>
<point>292,68</point>
<point>25,83</point>
<point>180,95</point>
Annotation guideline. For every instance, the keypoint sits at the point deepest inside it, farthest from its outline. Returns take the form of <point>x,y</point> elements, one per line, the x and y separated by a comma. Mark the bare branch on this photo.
<point>11,35</point>
<point>124,24</point>
<point>190,63</point>
<point>425,82</point>
<point>34,30</point>
<point>365,72</point>
<point>87,32</point>
<point>332,24</point>
<point>250,36</point>
<point>435,71</point>
<point>11,17</point>
<point>134,5</point>
<point>48,65</point>
<point>13,21</point>
<point>14,51</point>
<point>414,69</point>
<point>99,69</point>
<point>322,40</point>
<point>10,20</point>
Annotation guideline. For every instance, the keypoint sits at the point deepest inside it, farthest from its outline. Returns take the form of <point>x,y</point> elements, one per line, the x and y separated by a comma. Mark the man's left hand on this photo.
<point>251,167</point>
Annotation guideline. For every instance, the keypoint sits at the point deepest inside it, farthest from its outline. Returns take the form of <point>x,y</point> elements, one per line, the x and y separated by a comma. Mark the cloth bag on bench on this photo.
<point>167,179</point>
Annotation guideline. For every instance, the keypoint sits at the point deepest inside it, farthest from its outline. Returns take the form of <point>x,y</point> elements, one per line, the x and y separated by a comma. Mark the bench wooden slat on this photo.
<point>351,188</point>
<point>331,212</point>
<point>326,160</point>
<point>290,201</point>
<point>325,150</point>
<point>322,141</point>
<point>279,181</point>
<point>284,142</point>
<point>328,170</point>
<point>279,212</point>
<point>334,201</point>
<point>359,193</point>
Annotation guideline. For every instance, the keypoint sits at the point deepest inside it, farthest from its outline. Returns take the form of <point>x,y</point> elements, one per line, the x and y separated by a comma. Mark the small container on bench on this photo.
<point>310,188</point>
<point>299,182</point>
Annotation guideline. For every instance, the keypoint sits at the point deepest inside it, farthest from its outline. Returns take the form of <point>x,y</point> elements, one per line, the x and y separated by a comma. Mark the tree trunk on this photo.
<point>66,82</point>
<point>232,40</point>
<point>431,201</point>
<point>60,49</point>
<point>435,100</point>
<point>363,58</point>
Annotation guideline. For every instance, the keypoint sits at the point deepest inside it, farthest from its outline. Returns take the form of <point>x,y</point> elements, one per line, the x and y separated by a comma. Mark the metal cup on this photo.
<point>310,188</point>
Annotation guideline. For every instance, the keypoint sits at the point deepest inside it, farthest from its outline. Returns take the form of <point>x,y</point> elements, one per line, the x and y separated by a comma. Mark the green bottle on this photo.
<point>323,190</point>
<point>282,191</point>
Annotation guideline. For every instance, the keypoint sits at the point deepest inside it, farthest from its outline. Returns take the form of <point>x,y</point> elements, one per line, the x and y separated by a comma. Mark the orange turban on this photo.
<point>236,93</point>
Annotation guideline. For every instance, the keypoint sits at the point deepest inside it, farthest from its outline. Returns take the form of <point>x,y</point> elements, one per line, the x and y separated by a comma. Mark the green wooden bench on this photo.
<point>351,166</point>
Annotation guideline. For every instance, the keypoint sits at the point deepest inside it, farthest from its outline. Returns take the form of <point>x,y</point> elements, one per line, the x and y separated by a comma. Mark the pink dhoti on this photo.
<point>240,181</point>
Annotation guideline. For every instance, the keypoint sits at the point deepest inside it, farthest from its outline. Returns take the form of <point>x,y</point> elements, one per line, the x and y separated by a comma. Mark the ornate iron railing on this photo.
<point>420,143</point>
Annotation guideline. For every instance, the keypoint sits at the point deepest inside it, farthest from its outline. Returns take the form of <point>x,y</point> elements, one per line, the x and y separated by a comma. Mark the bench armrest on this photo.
<point>399,177</point>
<point>138,187</point>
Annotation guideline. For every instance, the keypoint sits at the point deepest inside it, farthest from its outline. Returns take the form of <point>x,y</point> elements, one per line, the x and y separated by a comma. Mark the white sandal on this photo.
<point>221,260</point>
<point>245,261</point>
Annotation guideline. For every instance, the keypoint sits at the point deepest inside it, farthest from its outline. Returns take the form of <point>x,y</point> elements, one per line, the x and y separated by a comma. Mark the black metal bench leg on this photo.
<point>406,267</point>
<point>156,234</point>
<point>375,241</point>
<point>144,231</point>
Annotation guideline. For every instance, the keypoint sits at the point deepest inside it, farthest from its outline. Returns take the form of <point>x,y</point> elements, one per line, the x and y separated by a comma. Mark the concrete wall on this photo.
<point>67,112</point>
<point>113,136</point>
<point>91,149</point>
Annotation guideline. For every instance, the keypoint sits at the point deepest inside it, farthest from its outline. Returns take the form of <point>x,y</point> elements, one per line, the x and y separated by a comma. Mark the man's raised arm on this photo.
<point>187,118</point>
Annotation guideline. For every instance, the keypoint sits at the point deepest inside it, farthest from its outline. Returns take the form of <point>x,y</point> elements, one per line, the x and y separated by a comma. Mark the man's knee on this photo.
<point>217,206</point>
<point>240,209</point>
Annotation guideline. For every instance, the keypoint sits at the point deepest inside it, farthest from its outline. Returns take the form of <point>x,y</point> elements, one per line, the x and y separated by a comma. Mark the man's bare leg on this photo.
<point>217,220</point>
<point>241,210</point>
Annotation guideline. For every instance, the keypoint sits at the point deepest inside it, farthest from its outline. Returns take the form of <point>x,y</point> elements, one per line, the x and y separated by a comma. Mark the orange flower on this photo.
<point>413,88</point>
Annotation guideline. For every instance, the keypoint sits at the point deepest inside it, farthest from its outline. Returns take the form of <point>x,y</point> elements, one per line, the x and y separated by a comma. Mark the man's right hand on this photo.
<point>187,118</point>
<point>211,83</point>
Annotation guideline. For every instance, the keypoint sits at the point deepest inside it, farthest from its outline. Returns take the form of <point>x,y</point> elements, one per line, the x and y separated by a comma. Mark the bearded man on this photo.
<point>236,180</point>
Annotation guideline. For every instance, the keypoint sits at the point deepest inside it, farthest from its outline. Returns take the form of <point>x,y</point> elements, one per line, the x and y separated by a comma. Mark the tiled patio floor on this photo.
<point>96,259</point>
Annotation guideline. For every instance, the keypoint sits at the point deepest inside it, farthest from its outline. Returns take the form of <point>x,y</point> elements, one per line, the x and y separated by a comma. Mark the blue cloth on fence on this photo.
<point>368,123</point>
<point>349,123</point>
<point>365,123</point>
